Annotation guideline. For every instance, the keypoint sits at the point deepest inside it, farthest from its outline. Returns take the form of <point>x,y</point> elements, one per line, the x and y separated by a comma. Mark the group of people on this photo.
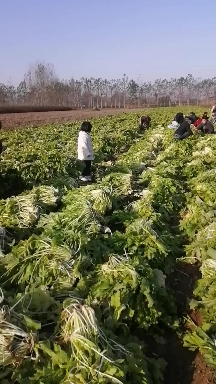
<point>203,125</point>
<point>85,148</point>
<point>181,124</point>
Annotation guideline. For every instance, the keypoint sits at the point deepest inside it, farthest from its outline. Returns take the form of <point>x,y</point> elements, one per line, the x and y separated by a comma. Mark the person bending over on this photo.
<point>199,119</point>
<point>205,127</point>
<point>178,119</point>
<point>85,150</point>
<point>145,123</point>
<point>192,117</point>
<point>184,130</point>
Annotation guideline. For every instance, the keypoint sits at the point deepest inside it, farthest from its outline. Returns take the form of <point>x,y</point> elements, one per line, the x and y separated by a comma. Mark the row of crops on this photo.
<point>85,270</point>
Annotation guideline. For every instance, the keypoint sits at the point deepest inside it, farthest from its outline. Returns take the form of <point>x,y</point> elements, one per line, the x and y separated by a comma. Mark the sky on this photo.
<point>145,39</point>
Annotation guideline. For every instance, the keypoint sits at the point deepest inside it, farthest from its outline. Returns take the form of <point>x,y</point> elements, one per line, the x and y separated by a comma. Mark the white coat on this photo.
<point>85,149</point>
<point>174,125</point>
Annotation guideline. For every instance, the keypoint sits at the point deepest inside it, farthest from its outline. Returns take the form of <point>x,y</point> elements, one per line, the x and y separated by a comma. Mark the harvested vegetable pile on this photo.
<point>85,270</point>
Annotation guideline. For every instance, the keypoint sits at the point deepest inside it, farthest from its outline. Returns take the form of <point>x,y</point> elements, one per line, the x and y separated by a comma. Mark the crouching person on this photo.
<point>177,121</point>
<point>85,150</point>
<point>184,130</point>
<point>192,117</point>
<point>145,123</point>
<point>206,127</point>
<point>200,119</point>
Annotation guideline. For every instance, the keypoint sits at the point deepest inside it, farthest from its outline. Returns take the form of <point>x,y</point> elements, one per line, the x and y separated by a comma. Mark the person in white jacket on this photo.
<point>85,150</point>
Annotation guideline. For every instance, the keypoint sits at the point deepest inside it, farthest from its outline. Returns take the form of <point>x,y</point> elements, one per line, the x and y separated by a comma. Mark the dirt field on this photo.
<point>21,120</point>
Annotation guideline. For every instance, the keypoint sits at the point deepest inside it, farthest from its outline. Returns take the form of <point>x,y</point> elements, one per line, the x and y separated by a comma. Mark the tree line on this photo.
<point>41,87</point>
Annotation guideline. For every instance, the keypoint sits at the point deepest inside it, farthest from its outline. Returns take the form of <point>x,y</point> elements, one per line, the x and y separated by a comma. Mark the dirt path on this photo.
<point>184,366</point>
<point>20,120</point>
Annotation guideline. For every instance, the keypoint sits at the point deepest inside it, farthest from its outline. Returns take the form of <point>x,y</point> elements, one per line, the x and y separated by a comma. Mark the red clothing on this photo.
<point>197,122</point>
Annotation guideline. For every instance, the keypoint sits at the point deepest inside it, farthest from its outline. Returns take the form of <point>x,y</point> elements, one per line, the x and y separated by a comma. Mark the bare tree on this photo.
<point>42,87</point>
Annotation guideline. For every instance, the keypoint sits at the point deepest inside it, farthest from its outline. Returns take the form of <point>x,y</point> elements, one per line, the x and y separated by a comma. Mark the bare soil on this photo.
<point>36,119</point>
<point>184,366</point>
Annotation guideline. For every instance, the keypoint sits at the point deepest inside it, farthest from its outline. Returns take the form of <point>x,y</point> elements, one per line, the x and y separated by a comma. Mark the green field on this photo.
<point>90,275</point>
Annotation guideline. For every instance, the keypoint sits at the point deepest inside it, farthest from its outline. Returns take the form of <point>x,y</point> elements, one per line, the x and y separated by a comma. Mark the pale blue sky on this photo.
<point>106,38</point>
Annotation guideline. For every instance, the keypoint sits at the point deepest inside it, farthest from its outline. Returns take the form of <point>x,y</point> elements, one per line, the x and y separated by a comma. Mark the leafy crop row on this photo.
<point>48,154</point>
<point>198,223</point>
<point>83,269</point>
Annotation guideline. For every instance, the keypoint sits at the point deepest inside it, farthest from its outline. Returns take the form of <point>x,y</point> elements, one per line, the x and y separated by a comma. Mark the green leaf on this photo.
<point>111,371</point>
<point>131,312</point>
<point>206,327</point>
<point>31,324</point>
<point>80,377</point>
<point>119,310</point>
<point>211,253</point>
<point>116,300</point>
<point>58,356</point>
<point>193,304</point>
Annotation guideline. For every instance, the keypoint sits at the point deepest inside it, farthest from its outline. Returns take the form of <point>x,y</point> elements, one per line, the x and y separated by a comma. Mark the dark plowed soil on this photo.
<point>184,366</point>
<point>20,120</point>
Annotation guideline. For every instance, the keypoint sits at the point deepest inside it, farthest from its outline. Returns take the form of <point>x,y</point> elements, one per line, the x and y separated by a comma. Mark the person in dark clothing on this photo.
<point>184,130</point>
<point>206,127</point>
<point>192,117</point>
<point>179,118</point>
<point>175,123</point>
<point>145,123</point>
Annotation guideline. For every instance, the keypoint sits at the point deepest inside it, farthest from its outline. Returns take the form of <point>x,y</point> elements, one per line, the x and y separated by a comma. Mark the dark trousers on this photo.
<point>142,129</point>
<point>87,169</point>
<point>182,137</point>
